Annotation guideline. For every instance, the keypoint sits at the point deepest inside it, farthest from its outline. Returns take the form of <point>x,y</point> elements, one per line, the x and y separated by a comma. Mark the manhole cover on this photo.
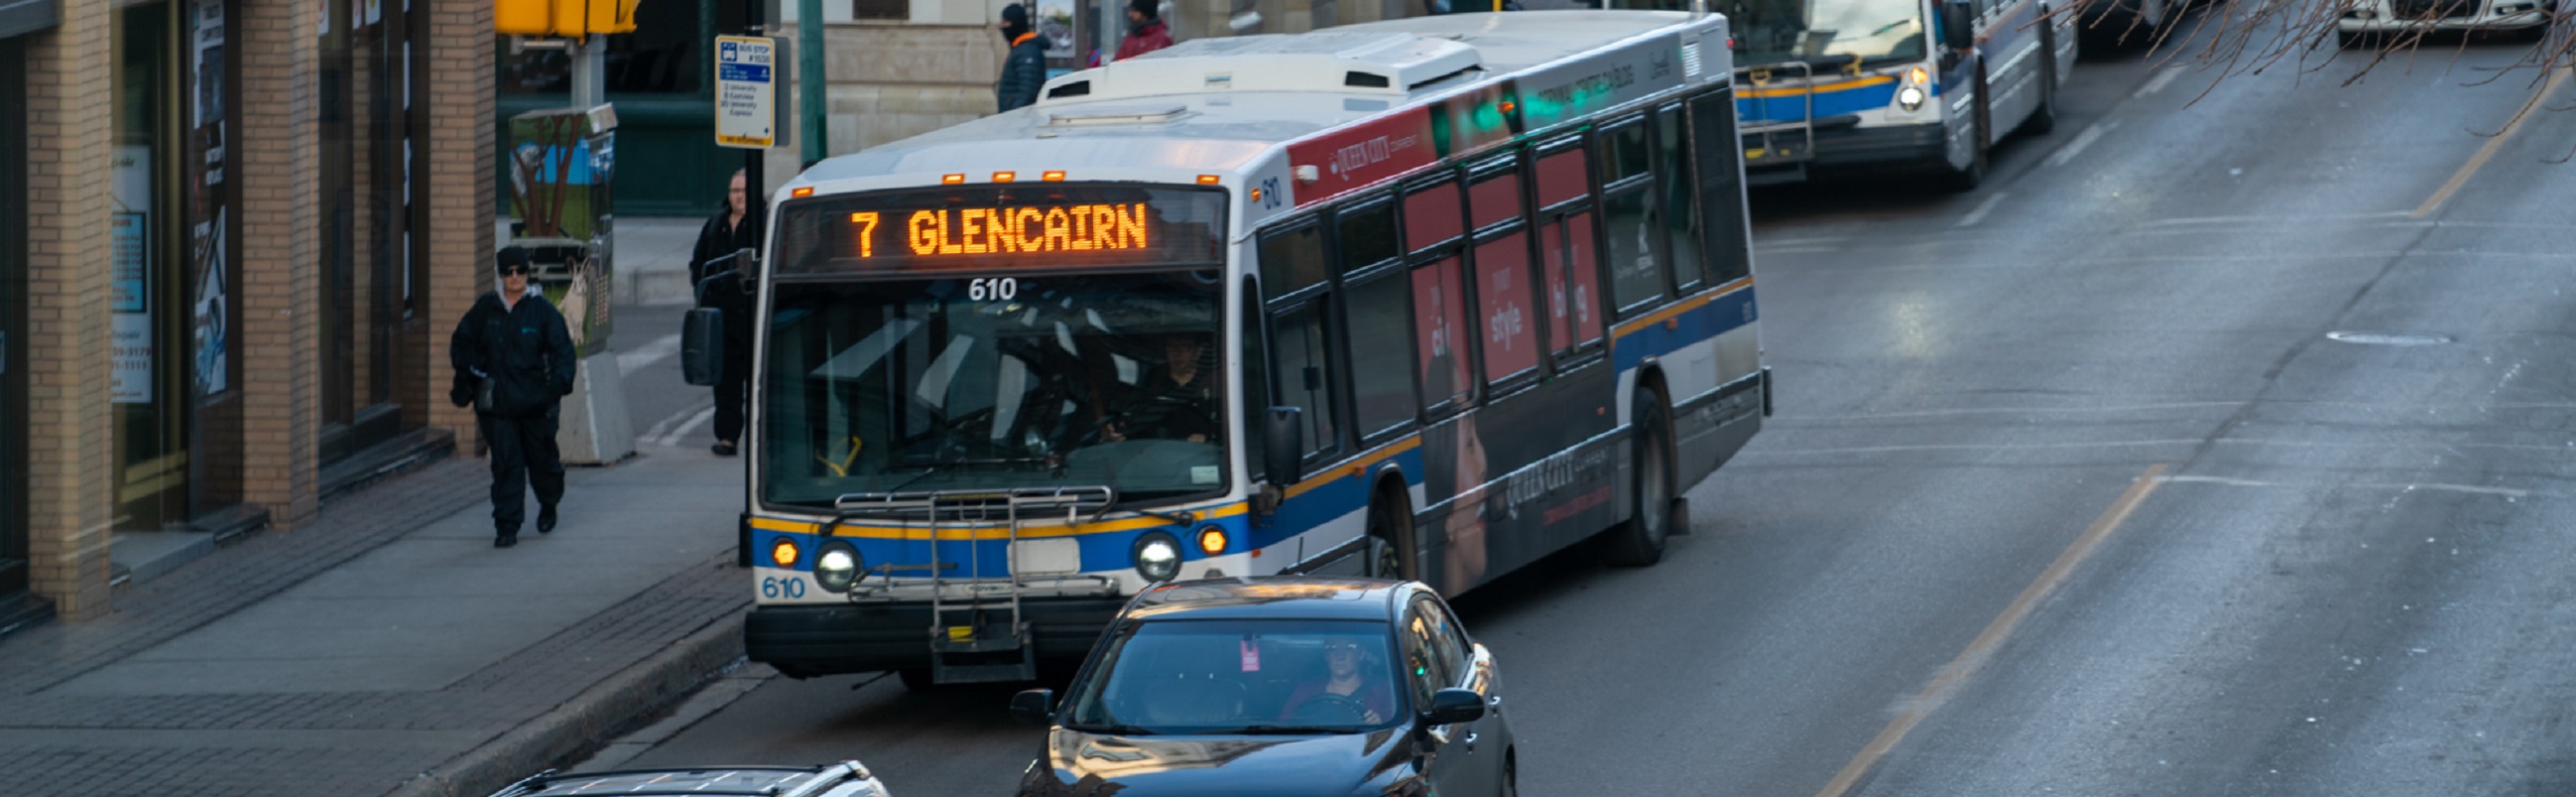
<point>2390,338</point>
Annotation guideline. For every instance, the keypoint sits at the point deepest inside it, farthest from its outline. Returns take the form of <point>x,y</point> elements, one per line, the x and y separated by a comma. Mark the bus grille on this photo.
<point>2433,9</point>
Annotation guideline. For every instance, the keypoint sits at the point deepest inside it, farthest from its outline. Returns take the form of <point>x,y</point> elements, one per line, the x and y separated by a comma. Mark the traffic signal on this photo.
<point>572,19</point>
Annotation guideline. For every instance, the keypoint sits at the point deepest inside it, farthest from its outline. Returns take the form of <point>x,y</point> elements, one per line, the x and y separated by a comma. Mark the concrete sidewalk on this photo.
<point>388,647</point>
<point>385,647</point>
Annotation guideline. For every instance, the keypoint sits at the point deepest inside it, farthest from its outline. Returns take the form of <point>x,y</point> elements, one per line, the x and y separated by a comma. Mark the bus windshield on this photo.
<point>1041,380</point>
<point>1826,32</point>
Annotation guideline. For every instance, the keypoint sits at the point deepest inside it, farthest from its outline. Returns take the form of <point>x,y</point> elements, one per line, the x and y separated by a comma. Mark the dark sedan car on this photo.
<point>845,779</point>
<point>1277,686</point>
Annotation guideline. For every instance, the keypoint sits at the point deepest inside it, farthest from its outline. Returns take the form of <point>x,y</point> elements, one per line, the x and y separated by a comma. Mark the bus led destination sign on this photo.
<point>970,228</point>
<point>1026,229</point>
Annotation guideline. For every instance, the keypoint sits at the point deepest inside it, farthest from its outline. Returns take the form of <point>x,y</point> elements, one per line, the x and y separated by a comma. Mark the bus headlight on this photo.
<point>1913,89</point>
<point>1158,556</point>
<point>836,566</point>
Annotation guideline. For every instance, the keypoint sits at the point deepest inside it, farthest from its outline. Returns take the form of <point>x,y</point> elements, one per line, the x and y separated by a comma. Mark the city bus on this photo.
<point>1906,86</point>
<point>1426,299</point>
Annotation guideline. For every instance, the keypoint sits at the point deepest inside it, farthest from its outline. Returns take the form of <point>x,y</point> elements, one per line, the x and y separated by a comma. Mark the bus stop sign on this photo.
<point>747,108</point>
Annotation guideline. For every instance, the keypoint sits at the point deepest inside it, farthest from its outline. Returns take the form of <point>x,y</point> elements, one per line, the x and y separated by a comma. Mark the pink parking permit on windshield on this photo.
<point>1251,656</point>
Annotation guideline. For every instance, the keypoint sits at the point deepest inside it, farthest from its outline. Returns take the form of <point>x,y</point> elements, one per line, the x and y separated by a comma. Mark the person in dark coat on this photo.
<point>514,363</point>
<point>735,227</point>
<point>1024,70</point>
<point>1145,29</point>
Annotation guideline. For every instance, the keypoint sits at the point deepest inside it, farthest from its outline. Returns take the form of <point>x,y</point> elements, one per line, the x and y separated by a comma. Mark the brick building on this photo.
<point>233,237</point>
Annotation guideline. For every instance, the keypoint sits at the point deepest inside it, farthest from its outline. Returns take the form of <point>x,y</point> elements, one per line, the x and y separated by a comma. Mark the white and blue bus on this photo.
<point>1894,85</point>
<point>1429,298</point>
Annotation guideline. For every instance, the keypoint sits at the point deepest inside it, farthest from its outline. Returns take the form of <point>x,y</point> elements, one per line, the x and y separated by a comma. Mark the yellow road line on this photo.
<point>1984,645</point>
<point>2497,142</point>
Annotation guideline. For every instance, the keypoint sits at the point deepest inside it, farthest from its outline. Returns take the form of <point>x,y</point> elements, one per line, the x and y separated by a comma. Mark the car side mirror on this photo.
<point>1958,28</point>
<point>1283,444</point>
<point>1454,705</point>
<point>1034,706</point>
<point>702,346</point>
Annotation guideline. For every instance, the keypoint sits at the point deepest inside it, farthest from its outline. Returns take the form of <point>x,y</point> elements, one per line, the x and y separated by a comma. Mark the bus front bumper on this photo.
<point>809,641</point>
<point>1914,146</point>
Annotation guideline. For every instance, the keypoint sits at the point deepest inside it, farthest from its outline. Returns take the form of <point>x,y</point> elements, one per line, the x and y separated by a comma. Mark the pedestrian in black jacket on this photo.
<point>1024,70</point>
<point>737,226</point>
<point>514,362</point>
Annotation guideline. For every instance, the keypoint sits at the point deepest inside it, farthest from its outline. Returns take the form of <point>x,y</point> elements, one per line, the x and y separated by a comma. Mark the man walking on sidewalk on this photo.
<point>514,362</point>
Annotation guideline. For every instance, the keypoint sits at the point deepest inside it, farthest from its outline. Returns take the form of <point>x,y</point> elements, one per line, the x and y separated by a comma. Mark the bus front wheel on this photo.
<point>1966,178</point>
<point>1390,530</point>
<point>1652,518</point>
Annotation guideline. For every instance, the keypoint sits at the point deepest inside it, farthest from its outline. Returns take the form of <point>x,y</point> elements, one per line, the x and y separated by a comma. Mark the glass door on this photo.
<point>149,382</point>
<point>369,251</point>
<point>13,311</point>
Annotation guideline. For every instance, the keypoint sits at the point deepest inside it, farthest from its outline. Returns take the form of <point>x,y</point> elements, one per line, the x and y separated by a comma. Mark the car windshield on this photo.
<point>985,383</point>
<point>1827,32</point>
<point>1240,677</point>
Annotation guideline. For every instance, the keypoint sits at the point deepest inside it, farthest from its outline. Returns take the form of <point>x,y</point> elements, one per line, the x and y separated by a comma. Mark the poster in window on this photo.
<point>1055,25</point>
<point>212,337</point>
<point>130,325</point>
<point>1503,294</point>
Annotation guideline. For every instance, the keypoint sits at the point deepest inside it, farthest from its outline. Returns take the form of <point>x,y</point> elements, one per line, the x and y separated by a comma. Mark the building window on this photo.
<point>882,10</point>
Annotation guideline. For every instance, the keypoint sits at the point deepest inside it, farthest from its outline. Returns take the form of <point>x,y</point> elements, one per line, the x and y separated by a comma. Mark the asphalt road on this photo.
<point>2075,487</point>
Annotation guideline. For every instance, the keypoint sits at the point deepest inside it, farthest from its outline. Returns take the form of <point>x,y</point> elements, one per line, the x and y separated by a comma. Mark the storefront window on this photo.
<point>370,261</point>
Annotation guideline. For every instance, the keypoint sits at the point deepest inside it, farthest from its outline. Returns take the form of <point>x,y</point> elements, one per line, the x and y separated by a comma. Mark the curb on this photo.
<point>600,713</point>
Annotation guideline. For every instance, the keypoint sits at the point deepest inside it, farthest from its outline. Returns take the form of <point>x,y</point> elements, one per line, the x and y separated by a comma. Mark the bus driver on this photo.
<point>1175,400</point>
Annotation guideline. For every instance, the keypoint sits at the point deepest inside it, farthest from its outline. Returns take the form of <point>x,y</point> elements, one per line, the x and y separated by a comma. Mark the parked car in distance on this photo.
<point>1277,686</point>
<point>845,779</point>
<point>2367,20</point>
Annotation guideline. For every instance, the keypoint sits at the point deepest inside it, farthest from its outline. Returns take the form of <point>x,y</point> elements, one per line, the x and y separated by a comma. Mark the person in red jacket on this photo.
<point>1145,32</point>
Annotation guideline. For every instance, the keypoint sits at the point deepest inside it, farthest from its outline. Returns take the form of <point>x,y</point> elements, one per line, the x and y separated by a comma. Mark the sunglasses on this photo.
<point>507,271</point>
<point>1343,647</point>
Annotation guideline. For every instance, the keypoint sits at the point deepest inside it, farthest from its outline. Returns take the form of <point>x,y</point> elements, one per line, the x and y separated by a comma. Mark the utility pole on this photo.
<point>813,97</point>
<point>755,177</point>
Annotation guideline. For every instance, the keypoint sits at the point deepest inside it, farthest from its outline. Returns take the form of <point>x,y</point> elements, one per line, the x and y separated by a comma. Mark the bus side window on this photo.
<point>1364,239</point>
<point>1381,375</point>
<point>1439,334</point>
<point>1306,371</point>
<point>1256,380</point>
<point>1566,259</point>
<point>1292,261</point>
<point>1506,293</point>
<point>1721,194</point>
<point>1637,276</point>
<point>1673,179</point>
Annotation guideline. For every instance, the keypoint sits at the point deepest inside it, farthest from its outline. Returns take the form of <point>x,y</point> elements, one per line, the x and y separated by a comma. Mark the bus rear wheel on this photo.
<point>1651,520</point>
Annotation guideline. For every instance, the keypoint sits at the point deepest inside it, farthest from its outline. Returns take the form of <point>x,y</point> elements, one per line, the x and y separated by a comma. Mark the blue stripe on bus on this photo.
<point>1719,315</point>
<point>1828,103</point>
<point>1330,500</point>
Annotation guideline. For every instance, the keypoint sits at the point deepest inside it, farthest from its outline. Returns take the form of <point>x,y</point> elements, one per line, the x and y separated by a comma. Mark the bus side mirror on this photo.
<point>1958,28</point>
<point>1283,444</point>
<point>702,346</point>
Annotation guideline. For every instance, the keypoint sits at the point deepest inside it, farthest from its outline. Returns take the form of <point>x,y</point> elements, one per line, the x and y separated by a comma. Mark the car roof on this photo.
<point>1272,598</point>
<point>727,780</point>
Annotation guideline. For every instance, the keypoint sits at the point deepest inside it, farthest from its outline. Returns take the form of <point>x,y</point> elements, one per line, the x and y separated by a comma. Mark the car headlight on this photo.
<point>836,566</point>
<point>1158,556</point>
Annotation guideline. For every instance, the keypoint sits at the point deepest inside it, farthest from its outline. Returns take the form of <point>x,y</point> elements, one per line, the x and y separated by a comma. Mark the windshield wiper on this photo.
<point>1183,519</point>
<point>1284,730</point>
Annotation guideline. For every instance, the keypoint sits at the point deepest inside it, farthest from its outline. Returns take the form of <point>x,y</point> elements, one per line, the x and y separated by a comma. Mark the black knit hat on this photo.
<point>511,256</point>
<point>1014,14</point>
<point>1150,9</point>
